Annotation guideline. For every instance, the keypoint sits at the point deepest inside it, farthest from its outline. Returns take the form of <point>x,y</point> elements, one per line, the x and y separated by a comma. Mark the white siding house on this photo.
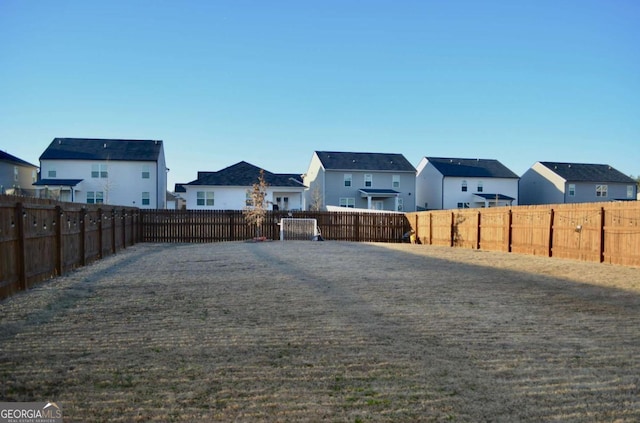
<point>227,189</point>
<point>378,181</point>
<point>105,171</point>
<point>16,175</point>
<point>450,183</point>
<point>558,183</point>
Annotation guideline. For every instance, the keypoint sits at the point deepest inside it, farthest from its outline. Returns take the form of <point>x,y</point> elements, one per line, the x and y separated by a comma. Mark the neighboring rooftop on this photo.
<point>6,157</point>
<point>245,174</point>
<point>334,160</point>
<point>102,149</point>
<point>583,172</point>
<point>478,168</point>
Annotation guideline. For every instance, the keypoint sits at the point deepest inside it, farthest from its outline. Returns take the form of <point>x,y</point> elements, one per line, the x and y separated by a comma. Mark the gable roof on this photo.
<point>6,157</point>
<point>581,172</point>
<point>479,168</point>
<point>102,149</point>
<point>245,174</point>
<point>334,160</point>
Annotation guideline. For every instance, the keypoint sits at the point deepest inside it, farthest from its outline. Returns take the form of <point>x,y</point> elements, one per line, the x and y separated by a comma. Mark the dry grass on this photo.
<point>347,332</point>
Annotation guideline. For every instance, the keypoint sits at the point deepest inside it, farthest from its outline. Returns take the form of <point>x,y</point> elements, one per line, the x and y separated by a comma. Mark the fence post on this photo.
<point>478,222</point>
<point>113,230</point>
<point>22,254</point>
<point>57,221</point>
<point>356,224</point>
<point>430,228</point>
<point>602,235</point>
<point>124,229</point>
<point>453,229</point>
<point>509,230</point>
<point>83,234</point>
<point>551,215</point>
<point>100,234</point>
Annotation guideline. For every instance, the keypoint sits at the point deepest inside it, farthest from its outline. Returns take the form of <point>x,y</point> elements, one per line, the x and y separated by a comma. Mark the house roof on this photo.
<point>580,172</point>
<point>6,157</point>
<point>58,182</point>
<point>480,168</point>
<point>334,160</point>
<point>245,174</point>
<point>494,196</point>
<point>102,149</point>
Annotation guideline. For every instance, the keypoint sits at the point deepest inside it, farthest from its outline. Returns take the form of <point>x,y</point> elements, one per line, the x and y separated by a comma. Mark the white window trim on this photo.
<point>348,177</point>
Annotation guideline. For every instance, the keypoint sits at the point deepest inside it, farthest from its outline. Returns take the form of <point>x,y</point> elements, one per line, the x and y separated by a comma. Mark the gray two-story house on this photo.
<point>557,183</point>
<point>16,175</point>
<point>376,181</point>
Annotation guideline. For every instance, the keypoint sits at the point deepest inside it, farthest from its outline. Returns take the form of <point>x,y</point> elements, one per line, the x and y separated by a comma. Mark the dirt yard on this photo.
<point>327,331</point>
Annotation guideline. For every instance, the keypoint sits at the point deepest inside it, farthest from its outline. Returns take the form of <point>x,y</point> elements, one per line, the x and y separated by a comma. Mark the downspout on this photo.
<point>442,194</point>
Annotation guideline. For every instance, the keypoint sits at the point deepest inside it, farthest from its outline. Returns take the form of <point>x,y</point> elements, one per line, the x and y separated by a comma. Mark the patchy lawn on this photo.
<point>312,331</point>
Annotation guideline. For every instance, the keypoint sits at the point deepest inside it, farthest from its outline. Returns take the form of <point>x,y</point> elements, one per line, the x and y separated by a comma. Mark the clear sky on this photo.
<point>269,82</point>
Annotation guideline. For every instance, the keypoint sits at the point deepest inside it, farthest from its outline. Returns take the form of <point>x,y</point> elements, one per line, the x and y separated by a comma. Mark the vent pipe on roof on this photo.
<point>104,145</point>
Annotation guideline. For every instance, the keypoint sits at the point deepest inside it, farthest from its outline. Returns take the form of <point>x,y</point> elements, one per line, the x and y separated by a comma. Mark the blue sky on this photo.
<point>269,82</point>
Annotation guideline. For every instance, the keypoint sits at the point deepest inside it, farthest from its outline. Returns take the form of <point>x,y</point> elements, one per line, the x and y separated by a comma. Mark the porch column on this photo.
<point>369,202</point>
<point>396,204</point>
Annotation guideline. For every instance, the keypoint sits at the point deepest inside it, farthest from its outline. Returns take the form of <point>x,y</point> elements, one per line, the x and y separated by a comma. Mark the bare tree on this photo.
<point>316,200</point>
<point>256,212</point>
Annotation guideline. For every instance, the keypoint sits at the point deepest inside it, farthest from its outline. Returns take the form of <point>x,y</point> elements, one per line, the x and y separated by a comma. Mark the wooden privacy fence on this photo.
<point>600,232</point>
<point>40,239</point>
<point>230,225</point>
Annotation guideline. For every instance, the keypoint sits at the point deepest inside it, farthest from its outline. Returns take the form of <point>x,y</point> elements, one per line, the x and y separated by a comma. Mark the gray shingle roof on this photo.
<point>478,168</point>
<point>102,149</point>
<point>245,174</point>
<point>334,160</point>
<point>6,157</point>
<point>581,172</point>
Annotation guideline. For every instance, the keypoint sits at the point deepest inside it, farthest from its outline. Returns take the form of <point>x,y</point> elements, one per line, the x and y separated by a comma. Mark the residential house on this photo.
<point>105,171</point>
<point>16,175</point>
<point>449,183</point>
<point>377,181</point>
<point>556,183</point>
<point>229,189</point>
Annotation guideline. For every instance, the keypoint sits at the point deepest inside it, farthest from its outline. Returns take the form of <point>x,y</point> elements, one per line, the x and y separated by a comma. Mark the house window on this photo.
<point>51,173</point>
<point>204,198</point>
<point>248,199</point>
<point>463,205</point>
<point>16,172</point>
<point>395,181</point>
<point>348,202</point>
<point>480,187</point>
<point>347,179</point>
<point>572,190</point>
<point>145,199</point>
<point>145,172</point>
<point>95,197</point>
<point>464,186</point>
<point>601,190</point>
<point>400,205</point>
<point>34,176</point>
<point>368,180</point>
<point>99,171</point>
<point>629,191</point>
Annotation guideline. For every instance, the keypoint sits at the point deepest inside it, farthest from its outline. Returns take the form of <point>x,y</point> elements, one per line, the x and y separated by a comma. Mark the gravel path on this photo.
<point>333,331</point>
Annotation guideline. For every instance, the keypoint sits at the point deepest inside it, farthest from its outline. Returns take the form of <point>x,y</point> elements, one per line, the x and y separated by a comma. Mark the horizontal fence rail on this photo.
<point>599,232</point>
<point>40,239</point>
<point>195,226</point>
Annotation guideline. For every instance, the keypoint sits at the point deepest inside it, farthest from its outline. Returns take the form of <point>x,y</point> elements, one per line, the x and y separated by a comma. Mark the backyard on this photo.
<point>327,331</point>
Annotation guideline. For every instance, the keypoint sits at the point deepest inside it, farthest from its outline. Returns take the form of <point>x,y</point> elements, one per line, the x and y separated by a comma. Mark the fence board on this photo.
<point>40,239</point>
